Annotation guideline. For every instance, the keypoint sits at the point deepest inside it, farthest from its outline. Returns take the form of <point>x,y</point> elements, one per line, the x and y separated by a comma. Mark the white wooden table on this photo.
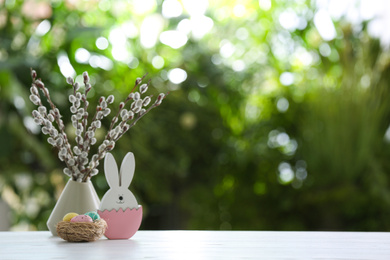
<point>201,245</point>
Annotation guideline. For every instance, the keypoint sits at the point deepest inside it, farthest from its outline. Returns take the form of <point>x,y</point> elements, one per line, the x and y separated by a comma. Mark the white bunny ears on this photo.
<point>126,173</point>
<point>119,196</point>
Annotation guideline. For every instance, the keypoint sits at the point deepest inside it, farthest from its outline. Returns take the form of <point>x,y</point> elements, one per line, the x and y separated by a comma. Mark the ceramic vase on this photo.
<point>78,197</point>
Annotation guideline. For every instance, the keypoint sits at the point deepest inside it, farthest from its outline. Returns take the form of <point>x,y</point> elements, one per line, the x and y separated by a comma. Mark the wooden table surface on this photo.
<point>201,245</point>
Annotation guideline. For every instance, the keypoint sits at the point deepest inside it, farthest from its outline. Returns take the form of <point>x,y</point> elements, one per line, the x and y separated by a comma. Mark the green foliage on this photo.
<point>235,146</point>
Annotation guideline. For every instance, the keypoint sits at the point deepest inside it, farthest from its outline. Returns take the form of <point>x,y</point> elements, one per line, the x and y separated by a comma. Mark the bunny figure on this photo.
<point>119,195</point>
<point>118,207</point>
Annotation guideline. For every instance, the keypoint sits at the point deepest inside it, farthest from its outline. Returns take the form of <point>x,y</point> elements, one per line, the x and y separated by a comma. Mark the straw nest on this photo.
<point>81,231</point>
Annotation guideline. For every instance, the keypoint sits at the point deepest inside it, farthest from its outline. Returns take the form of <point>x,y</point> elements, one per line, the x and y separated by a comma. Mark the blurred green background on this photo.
<point>277,117</point>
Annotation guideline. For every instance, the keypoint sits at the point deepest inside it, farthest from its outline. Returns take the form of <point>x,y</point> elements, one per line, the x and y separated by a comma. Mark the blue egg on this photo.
<point>93,215</point>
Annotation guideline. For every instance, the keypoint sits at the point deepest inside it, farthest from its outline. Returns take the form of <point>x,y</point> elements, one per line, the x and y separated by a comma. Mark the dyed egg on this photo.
<point>69,216</point>
<point>81,218</point>
<point>93,215</point>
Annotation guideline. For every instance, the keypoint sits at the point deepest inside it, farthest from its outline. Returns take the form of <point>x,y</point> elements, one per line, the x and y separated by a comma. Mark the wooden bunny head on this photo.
<point>119,195</point>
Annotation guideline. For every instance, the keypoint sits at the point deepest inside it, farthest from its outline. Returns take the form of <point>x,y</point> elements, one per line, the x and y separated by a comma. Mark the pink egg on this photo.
<point>81,218</point>
<point>122,224</point>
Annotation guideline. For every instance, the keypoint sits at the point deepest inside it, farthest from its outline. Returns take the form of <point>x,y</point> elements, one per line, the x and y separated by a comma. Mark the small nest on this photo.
<point>81,231</point>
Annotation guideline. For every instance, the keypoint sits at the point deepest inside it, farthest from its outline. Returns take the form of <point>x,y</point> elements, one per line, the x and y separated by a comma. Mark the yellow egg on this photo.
<point>69,216</point>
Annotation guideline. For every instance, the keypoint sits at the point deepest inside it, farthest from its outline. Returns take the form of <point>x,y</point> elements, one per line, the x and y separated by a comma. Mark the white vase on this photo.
<point>78,197</point>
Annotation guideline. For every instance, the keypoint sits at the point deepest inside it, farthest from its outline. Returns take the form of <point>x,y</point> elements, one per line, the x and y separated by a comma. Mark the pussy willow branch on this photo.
<point>38,83</point>
<point>114,120</point>
<point>78,167</point>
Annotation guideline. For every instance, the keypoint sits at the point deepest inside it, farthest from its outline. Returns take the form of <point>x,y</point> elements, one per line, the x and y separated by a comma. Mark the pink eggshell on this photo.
<point>121,224</point>
<point>81,218</point>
